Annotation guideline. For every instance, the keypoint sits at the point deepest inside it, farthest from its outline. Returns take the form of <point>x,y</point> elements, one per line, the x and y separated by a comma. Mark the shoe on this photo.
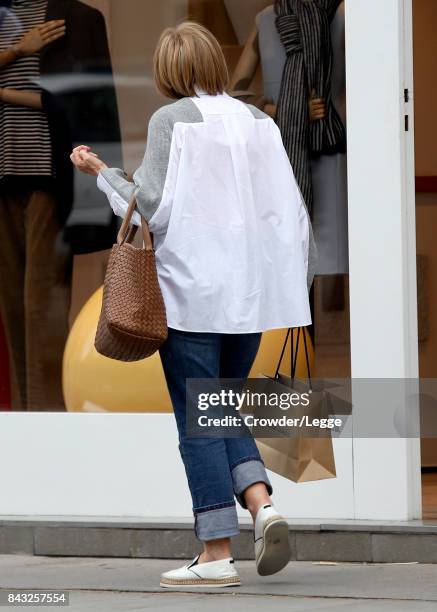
<point>220,573</point>
<point>272,545</point>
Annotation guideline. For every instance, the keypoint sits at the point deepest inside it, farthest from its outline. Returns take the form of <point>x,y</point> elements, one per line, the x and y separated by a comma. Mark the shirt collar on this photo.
<point>199,91</point>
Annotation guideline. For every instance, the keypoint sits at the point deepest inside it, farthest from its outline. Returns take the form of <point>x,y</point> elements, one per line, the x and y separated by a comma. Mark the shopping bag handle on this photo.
<point>294,353</point>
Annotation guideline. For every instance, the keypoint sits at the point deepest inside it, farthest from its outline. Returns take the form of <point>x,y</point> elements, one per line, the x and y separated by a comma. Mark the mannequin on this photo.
<point>34,301</point>
<point>329,180</point>
<point>75,111</point>
<point>90,114</point>
<point>329,173</point>
<point>54,46</point>
<point>242,15</point>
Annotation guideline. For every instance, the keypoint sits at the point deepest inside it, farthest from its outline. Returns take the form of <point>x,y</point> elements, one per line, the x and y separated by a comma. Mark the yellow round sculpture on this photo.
<point>93,383</point>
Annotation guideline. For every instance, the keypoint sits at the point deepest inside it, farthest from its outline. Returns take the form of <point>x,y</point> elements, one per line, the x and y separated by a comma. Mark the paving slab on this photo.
<point>409,582</point>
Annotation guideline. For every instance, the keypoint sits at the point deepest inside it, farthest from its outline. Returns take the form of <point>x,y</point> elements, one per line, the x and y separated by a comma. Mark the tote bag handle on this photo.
<point>127,231</point>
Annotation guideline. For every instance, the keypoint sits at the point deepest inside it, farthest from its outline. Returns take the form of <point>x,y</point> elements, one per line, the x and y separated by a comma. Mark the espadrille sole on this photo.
<point>275,552</point>
<point>201,582</point>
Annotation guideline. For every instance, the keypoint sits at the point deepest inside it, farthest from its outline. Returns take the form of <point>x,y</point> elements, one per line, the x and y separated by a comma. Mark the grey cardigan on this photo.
<point>149,178</point>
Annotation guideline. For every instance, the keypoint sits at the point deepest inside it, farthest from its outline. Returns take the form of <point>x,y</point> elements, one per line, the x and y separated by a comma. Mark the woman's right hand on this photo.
<point>86,161</point>
<point>41,36</point>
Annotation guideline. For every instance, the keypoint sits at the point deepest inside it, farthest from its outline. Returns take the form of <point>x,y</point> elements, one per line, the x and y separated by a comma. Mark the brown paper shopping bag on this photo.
<point>299,457</point>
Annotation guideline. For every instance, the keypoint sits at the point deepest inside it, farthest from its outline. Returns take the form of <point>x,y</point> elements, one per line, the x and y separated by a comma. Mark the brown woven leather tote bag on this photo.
<point>132,323</point>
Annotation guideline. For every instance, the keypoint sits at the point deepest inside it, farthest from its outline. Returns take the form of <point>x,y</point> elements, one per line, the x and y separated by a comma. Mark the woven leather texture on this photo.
<point>132,323</point>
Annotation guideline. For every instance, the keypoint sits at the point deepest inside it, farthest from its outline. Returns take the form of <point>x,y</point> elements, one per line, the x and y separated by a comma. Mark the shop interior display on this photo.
<point>64,95</point>
<point>322,175</point>
<point>138,386</point>
<point>319,163</point>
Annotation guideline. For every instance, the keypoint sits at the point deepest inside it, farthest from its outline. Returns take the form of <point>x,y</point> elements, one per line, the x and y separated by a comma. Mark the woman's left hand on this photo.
<point>86,161</point>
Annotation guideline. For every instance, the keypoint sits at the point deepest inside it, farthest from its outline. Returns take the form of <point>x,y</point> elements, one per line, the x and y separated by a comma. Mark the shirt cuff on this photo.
<point>103,185</point>
<point>118,204</point>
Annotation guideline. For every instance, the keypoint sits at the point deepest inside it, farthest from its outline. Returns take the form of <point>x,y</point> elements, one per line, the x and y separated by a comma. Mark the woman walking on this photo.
<point>235,257</point>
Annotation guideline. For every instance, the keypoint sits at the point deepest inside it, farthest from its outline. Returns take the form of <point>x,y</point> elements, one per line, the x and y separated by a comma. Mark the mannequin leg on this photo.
<point>47,302</point>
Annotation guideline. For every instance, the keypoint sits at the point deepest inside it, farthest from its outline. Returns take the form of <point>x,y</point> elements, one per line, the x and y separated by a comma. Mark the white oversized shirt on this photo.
<point>231,232</point>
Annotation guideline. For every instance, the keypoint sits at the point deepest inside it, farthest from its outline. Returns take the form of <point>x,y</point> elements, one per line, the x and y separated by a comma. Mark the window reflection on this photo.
<point>93,85</point>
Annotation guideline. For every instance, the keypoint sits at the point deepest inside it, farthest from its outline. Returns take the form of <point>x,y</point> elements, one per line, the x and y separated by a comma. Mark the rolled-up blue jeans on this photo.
<point>218,470</point>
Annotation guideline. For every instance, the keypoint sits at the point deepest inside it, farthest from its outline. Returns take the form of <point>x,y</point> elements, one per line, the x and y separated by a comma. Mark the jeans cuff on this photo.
<point>248,473</point>
<point>217,523</point>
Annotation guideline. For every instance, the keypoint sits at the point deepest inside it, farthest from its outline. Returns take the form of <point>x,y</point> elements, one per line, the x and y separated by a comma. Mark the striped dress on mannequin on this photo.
<point>304,29</point>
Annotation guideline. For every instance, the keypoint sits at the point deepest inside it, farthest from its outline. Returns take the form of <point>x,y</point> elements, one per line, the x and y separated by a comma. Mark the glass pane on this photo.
<point>94,86</point>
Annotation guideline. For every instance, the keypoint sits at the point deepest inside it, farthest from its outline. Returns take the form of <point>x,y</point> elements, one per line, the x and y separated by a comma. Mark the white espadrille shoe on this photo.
<point>272,546</point>
<point>220,573</point>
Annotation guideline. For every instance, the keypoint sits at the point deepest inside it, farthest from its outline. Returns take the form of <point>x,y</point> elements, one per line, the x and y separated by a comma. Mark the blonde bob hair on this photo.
<point>186,57</point>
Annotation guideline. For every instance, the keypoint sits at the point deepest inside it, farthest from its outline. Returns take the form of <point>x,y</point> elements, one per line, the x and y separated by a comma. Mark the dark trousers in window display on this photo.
<point>35,277</point>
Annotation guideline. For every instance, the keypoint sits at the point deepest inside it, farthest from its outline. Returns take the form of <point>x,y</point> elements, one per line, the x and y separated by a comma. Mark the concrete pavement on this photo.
<point>124,585</point>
